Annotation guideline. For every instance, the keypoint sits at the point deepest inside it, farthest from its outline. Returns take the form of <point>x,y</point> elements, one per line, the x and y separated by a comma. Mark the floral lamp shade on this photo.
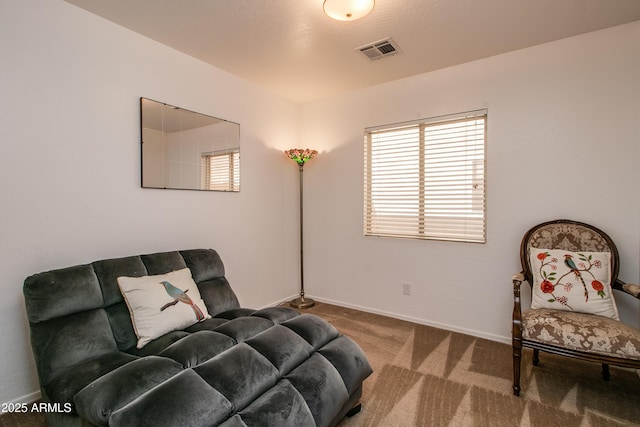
<point>301,155</point>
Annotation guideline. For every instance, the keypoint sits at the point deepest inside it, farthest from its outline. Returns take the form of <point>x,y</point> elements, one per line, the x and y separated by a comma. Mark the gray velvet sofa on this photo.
<point>241,367</point>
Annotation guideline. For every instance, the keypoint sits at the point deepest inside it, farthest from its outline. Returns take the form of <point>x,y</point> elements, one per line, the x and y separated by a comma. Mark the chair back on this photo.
<point>567,235</point>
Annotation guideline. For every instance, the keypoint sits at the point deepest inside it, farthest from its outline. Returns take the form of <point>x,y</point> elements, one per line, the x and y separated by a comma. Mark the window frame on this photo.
<point>232,167</point>
<point>404,209</point>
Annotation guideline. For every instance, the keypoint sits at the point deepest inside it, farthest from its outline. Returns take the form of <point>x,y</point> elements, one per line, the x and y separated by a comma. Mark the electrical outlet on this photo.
<point>406,288</point>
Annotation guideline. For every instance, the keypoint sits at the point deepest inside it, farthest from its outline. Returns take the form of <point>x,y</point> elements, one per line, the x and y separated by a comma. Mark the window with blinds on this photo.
<point>426,179</point>
<point>221,171</point>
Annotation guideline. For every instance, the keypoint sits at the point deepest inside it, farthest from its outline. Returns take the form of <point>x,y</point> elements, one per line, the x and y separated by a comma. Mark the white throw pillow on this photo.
<point>161,304</point>
<point>565,280</point>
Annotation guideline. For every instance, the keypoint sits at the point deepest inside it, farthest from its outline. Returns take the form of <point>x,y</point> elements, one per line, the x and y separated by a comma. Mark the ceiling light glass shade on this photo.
<point>347,10</point>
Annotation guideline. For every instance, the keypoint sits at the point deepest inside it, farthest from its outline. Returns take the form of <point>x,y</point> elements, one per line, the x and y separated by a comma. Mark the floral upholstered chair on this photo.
<point>572,268</point>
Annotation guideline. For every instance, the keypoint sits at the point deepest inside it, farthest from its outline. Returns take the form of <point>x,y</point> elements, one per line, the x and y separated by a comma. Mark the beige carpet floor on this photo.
<point>425,376</point>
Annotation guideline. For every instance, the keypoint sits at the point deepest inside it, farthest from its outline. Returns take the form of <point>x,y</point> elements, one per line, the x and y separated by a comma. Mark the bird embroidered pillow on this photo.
<point>161,304</point>
<point>572,281</point>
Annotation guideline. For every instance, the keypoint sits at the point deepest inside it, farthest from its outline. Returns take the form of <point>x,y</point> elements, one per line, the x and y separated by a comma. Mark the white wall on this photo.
<point>70,165</point>
<point>563,142</point>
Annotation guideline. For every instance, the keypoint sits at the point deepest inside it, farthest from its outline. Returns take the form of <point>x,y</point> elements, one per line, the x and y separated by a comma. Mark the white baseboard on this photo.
<point>275,303</point>
<point>27,398</point>
<point>472,332</point>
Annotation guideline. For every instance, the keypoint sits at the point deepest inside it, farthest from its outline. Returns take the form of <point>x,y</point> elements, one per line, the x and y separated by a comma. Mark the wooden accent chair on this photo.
<point>563,256</point>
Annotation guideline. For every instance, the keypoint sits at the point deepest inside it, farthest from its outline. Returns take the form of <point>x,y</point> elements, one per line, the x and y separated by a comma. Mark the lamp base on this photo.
<point>302,302</point>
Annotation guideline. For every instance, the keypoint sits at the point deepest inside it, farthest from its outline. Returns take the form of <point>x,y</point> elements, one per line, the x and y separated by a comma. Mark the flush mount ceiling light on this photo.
<point>347,10</point>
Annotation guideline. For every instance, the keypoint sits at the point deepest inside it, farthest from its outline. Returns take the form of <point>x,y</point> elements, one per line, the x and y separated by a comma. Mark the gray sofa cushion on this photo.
<point>276,314</point>
<point>241,374</point>
<point>349,360</point>
<point>108,271</point>
<point>205,264</point>
<point>58,293</point>
<point>197,348</point>
<point>159,344</point>
<point>62,343</point>
<point>282,347</point>
<point>313,329</point>
<point>220,299</point>
<point>282,405</point>
<point>64,386</point>
<point>163,262</point>
<point>183,400</point>
<point>112,391</point>
<point>243,328</point>
<point>321,386</point>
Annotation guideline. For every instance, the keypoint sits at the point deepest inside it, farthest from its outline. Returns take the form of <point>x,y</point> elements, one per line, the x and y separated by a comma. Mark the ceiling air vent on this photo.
<point>379,49</point>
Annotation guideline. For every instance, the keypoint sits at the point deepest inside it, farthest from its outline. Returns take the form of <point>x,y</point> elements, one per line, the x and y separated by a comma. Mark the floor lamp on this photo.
<point>301,156</point>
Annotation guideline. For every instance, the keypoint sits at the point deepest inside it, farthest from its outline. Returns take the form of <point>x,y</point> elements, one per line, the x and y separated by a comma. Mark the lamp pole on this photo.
<point>302,302</point>
<point>301,156</point>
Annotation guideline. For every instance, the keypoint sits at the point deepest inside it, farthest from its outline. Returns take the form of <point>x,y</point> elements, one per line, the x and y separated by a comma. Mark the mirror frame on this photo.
<point>185,150</point>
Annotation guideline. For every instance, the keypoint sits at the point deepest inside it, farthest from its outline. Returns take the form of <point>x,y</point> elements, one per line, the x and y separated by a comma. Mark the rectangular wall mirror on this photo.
<point>185,150</point>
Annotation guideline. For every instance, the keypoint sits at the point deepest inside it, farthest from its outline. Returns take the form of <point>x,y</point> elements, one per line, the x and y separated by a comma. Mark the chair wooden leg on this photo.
<point>517,359</point>
<point>605,372</point>
<point>536,357</point>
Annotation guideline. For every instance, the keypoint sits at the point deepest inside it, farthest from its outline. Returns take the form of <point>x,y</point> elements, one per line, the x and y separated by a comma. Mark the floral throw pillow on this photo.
<point>573,281</point>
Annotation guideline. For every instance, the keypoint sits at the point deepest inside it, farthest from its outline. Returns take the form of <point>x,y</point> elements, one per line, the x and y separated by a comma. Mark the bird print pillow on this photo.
<point>573,281</point>
<point>161,304</point>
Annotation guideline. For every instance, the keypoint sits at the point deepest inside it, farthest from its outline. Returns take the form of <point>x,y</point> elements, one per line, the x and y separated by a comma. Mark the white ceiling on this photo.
<point>291,48</point>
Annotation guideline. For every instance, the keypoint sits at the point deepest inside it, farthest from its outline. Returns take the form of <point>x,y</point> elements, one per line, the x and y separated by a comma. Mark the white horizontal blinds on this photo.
<point>393,182</point>
<point>426,179</point>
<point>454,196</point>
<point>222,171</point>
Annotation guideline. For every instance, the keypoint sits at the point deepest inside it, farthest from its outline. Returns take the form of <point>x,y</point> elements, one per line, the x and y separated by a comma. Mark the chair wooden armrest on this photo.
<point>629,288</point>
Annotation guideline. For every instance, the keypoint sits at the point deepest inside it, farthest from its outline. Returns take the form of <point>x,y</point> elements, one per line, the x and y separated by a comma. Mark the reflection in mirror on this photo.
<point>186,150</point>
